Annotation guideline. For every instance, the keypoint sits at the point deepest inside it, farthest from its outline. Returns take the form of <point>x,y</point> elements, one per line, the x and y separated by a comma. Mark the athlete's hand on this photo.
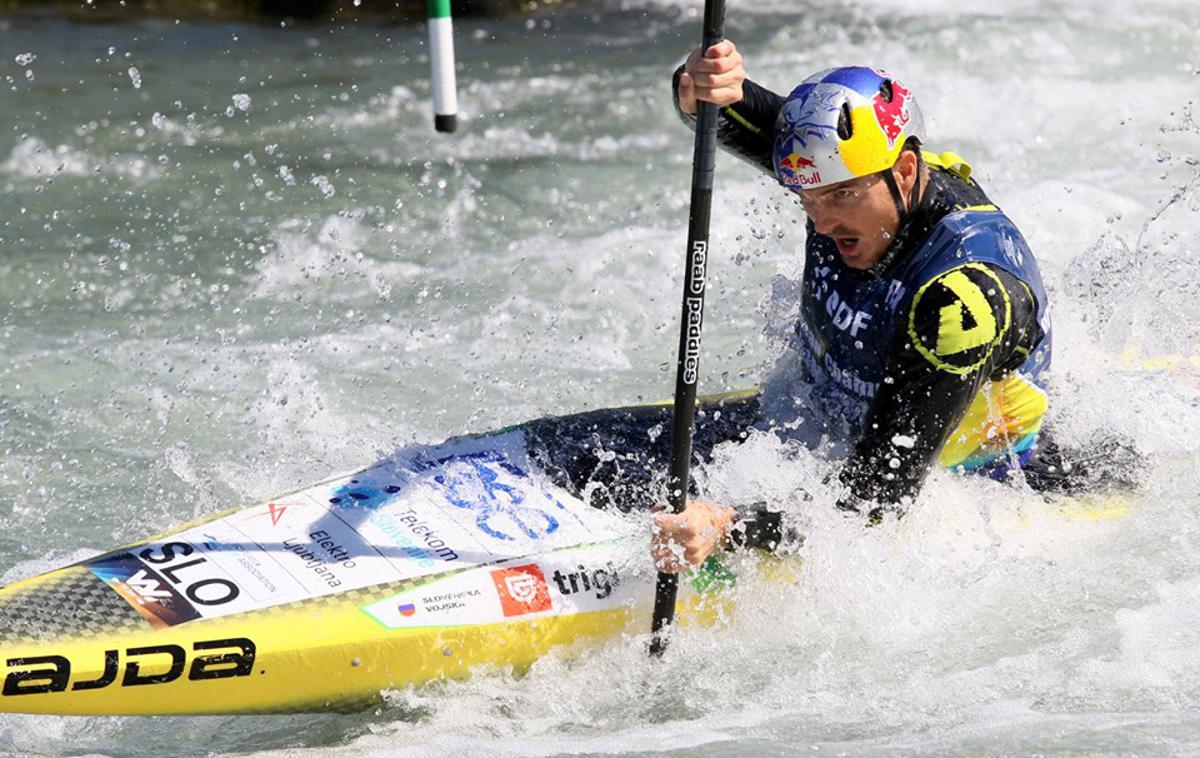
<point>714,77</point>
<point>684,540</point>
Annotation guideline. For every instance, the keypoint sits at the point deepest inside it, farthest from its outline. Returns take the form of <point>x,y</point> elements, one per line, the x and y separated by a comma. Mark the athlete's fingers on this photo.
<point>670,527</point>
<point>662,528</point>
<point>684,540</point>
<point>669,564</point>
<point>670,567</point>
<point>719,59</point>
<point>687,94</point>
<point>721,65</point>
<point>666,557</point>
<point>720,97</point>
<point>671,537</point>
<point>717,81</point>
<point>704,543</point>
<point>722,49</point>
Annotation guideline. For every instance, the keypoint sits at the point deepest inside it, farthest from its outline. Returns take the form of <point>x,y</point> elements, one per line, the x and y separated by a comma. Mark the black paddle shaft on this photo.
<point>688,370</point>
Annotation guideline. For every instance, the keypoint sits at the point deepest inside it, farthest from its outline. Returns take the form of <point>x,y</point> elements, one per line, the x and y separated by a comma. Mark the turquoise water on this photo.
<point>235,259</point>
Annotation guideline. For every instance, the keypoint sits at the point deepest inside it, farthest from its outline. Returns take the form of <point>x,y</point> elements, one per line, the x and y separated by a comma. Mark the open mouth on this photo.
<point>846,245</point>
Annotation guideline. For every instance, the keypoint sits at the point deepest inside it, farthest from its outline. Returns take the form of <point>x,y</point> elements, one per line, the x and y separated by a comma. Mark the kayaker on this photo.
<point>923,336</point>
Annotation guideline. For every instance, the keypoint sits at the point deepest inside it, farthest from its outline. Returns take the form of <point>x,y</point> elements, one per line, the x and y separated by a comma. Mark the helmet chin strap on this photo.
<point>904,212</point>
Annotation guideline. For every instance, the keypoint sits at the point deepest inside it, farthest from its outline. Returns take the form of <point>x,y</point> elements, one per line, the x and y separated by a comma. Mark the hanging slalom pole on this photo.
<point>441,63</point>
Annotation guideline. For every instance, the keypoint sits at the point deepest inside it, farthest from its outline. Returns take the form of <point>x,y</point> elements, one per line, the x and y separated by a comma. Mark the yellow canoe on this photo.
<point>428,564</point>
<point>434,561</point>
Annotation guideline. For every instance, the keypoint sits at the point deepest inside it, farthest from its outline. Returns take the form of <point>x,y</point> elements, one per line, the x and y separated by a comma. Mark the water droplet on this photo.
<point>135,76</point>
<point>242,101</point>
<point>324,185</point>
<point>24,59</point>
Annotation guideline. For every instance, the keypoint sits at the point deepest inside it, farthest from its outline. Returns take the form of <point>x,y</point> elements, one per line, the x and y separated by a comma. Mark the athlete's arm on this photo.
<point>965,326</point>
<point>745,127</point>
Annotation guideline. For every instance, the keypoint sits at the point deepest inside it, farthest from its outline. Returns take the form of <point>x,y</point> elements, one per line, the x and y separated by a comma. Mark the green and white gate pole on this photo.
<point>441,61</point>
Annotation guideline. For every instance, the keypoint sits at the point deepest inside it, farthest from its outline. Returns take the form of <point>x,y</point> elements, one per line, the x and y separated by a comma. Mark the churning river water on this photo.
<point>234,259</point>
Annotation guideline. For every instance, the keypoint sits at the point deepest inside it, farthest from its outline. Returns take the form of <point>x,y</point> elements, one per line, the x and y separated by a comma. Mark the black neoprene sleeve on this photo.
<point>759,528</point>
<point>926,396</point>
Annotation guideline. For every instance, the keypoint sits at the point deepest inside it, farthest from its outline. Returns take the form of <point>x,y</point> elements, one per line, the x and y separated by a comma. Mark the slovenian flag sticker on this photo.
<point>407,609</point>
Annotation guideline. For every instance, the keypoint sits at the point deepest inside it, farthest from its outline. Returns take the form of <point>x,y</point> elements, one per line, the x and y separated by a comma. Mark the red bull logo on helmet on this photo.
<point>893,116</point>
<point>792,171</point>
<point>797,162</point>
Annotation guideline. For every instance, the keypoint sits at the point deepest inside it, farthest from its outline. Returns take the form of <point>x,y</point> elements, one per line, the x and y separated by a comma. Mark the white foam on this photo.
<point>331,257</point>
<point>33,158</point>
<point>48,562</point>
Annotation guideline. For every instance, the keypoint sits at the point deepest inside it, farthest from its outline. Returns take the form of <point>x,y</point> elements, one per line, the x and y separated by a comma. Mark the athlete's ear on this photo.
<point>906,166</point>
<point>905,170</point>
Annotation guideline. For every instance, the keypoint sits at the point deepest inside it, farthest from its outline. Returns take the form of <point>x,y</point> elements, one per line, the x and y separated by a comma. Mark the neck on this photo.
<point>911,203</point>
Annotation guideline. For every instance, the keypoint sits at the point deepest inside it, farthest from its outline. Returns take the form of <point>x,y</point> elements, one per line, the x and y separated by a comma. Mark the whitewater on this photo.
<point>236,259</point>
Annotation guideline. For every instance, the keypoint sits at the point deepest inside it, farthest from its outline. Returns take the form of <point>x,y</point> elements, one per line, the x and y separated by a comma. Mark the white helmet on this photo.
<point>843,123</point>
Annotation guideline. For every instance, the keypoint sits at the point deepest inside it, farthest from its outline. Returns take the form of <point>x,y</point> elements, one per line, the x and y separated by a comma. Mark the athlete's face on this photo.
<point>860,215</point>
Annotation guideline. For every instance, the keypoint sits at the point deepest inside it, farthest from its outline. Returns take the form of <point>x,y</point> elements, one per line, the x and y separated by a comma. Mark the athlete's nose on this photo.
<point>823,221</point>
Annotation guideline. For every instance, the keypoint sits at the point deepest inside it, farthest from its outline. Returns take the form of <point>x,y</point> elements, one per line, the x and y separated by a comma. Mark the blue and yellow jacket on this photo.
<point>938,354</point>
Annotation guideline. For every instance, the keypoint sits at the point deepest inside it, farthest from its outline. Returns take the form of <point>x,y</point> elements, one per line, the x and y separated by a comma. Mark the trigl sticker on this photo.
<point>596,577</point>
<point>522,590</point>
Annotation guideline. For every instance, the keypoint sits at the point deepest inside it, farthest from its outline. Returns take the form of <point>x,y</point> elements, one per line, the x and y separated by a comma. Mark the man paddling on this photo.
<point>923,335</point>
